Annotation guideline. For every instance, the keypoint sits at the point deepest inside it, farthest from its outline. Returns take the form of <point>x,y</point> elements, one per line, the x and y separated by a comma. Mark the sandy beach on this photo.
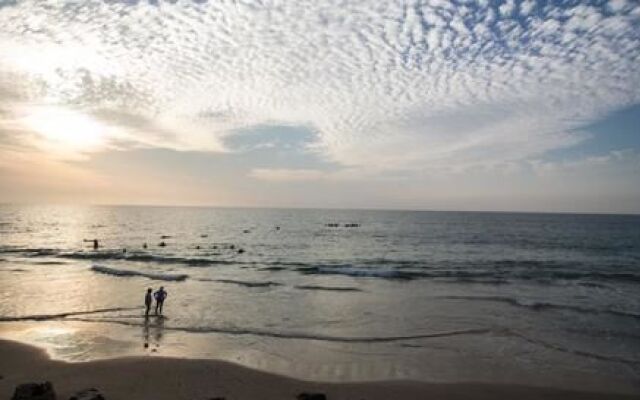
<point>171,378</point>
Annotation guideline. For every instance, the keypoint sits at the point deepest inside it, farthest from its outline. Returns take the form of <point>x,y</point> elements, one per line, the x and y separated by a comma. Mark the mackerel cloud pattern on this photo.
<point>397,85</point>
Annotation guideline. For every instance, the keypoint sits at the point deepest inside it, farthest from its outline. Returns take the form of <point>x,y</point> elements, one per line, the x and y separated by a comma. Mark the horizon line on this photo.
<point>381,209</point>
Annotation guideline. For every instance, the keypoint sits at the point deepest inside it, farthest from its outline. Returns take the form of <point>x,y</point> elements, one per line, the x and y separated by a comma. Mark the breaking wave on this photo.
<point>331,288</point>
<point>142,257</point>
<point>469,274</point>
<point>126,273</point>
<point>359,272</point>
<point>244,283</point>
<point>493,272</point>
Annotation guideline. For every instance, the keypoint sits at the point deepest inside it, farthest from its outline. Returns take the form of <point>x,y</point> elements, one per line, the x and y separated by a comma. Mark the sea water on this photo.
<point>336,295</point>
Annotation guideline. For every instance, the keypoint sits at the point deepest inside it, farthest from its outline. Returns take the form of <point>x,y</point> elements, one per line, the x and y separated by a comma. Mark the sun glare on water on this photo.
<point>66,131</point>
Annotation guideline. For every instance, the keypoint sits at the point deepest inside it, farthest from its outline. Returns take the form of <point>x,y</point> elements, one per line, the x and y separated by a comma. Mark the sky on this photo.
<point>498,105</point>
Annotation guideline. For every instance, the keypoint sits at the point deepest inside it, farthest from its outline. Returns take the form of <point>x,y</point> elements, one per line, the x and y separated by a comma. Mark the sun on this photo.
<point>66,131</point>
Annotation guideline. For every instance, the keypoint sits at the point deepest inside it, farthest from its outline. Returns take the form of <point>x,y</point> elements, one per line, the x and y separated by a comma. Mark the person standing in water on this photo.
<point>160,295</point>
<point>148,299</point>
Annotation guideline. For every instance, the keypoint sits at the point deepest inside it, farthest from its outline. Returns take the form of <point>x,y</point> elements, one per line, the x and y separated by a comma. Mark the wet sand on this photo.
<point>161,378</point>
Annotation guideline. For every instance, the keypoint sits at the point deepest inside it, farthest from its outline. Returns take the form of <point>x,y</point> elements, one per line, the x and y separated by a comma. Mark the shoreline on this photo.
<point>161,378</point>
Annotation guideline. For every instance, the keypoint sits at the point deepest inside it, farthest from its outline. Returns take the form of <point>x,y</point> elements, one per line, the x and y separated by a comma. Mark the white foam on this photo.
<point>123,272</point>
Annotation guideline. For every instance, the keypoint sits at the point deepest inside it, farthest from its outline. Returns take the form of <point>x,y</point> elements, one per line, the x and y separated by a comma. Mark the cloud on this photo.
<point>614,162</point>
<point>385,85</point>
<point>287,175</point>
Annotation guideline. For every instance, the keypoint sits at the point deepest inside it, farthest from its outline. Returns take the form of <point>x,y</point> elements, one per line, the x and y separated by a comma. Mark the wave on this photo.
<point>46,317</point>
<point>123,272</point>
<point>599,333</point>
<point>540,306</point>
<point>582,353</point>
<point>300,335</point>
<point>382,339</point>
<point>272,269</point>
<point>332,288</point>
<point>469,274</point>
<point>359,272</point>
<point>29,252</point>
<point>46,262</point>
<point>142,257</point>
<point>244,283</point>
<point>474,271</point>
<point>73,316</point>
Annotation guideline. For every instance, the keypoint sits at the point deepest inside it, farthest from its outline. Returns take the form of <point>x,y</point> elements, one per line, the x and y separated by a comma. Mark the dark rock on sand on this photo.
<point>34,391</point>
<point>88,394</point>
<point>311,396</point>
<point>240,251</point>
<point>162,244</point>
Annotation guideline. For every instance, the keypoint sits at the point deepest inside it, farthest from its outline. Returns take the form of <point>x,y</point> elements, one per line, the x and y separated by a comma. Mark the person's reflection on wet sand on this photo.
<point>145,332</point>
<point>153,332</point>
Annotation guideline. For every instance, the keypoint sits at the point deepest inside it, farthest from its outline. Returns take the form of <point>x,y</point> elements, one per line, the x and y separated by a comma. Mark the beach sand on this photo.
<point>161,378</point>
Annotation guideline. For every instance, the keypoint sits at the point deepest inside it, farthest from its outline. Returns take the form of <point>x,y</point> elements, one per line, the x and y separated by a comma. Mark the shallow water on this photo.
<point>437,296</point>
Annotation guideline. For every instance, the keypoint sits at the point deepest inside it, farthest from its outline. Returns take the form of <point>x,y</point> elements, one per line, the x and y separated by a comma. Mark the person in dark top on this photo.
<point>148,299</point>
<point>160,295</point>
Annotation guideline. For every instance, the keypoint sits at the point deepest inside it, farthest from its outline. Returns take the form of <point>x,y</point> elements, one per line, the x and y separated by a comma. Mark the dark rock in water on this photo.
<point>34,391</point>
<point>162,244</point>
<point>246,231</point>
<point>233,246</point>
<point>311,396</point>
<point>165,237</point>
<point>197,247</point>
<point>204,235</point>
<point>277,228</point>
<point>88,394</point>
<point>240,251</point>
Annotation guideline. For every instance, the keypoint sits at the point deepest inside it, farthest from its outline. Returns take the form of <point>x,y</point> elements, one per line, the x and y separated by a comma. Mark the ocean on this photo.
<point>333,295</point>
